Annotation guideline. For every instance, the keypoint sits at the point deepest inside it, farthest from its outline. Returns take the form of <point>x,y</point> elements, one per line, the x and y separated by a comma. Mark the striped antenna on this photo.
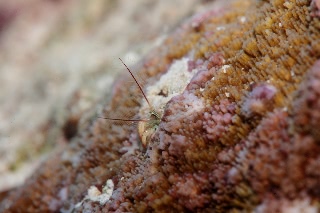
<point>120,119</point>
<point>144,95</point>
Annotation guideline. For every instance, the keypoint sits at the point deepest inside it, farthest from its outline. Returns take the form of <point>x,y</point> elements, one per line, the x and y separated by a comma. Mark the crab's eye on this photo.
<point>155,114</point>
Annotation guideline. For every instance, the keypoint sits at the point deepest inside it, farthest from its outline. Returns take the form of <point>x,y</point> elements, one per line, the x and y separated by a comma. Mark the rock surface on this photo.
<point>57,64</point>
<point>239,135</point>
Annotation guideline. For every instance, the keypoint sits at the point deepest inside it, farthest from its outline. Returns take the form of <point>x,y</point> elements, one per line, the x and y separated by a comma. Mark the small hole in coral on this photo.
<point>70,128</point>
<point>162,93</point>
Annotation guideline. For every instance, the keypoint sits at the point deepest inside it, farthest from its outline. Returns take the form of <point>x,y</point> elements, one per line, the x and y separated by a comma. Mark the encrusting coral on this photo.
<point>241,136</point>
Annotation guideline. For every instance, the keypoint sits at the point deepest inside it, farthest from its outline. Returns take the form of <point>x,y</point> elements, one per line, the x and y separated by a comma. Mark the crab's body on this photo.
<point>147,128</point>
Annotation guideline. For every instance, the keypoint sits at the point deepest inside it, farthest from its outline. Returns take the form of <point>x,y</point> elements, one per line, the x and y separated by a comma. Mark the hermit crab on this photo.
<point>146,127</point>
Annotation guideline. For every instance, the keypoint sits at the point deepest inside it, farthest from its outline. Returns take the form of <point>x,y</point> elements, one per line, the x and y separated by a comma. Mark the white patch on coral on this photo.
<point>95,195</point>
<point>286,206</point>
<point>171,84</point>
<point>192,103</point>
<point>93,192</point>
<point>288,5</point>
<point>243,19</point>
<point>220,28</point>
<point>224,68</point>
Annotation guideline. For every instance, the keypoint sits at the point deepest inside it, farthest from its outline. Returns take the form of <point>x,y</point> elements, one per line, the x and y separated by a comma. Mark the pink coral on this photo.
<point>315,8</point>
<point>188,190</point>
<point>216,121</point>
<point>205,71</point>
<point>259,100</point>
<point>307,105</point>
<point>223,144</point>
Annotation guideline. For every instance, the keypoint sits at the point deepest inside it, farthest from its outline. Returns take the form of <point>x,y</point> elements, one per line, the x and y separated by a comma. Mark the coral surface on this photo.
<point>58,61</point>
<point>240,133</point>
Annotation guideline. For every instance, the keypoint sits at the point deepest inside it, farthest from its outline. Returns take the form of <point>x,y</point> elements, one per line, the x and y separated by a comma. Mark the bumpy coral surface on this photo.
<point>240,135</point>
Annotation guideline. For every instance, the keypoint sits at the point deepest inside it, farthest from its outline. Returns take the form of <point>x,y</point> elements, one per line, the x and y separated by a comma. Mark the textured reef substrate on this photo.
<point>242,135</point>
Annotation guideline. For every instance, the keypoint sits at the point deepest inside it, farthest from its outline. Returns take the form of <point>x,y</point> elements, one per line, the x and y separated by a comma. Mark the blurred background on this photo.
<point>58,59</point>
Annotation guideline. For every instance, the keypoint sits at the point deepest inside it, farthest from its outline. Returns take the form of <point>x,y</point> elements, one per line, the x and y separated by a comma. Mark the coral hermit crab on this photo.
<point>146,127</point>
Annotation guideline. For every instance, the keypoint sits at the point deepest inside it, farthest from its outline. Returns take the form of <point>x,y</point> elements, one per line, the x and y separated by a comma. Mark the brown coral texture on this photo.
<point>243,135</point>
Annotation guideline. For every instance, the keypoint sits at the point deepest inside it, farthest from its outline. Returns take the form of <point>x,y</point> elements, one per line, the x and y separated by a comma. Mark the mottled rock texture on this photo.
<point>58,61</point>
<point>242,136</point>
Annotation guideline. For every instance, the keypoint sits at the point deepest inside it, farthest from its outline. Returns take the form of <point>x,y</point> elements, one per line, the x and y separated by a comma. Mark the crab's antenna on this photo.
<point>144,95</point>
<point>119,119</point>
